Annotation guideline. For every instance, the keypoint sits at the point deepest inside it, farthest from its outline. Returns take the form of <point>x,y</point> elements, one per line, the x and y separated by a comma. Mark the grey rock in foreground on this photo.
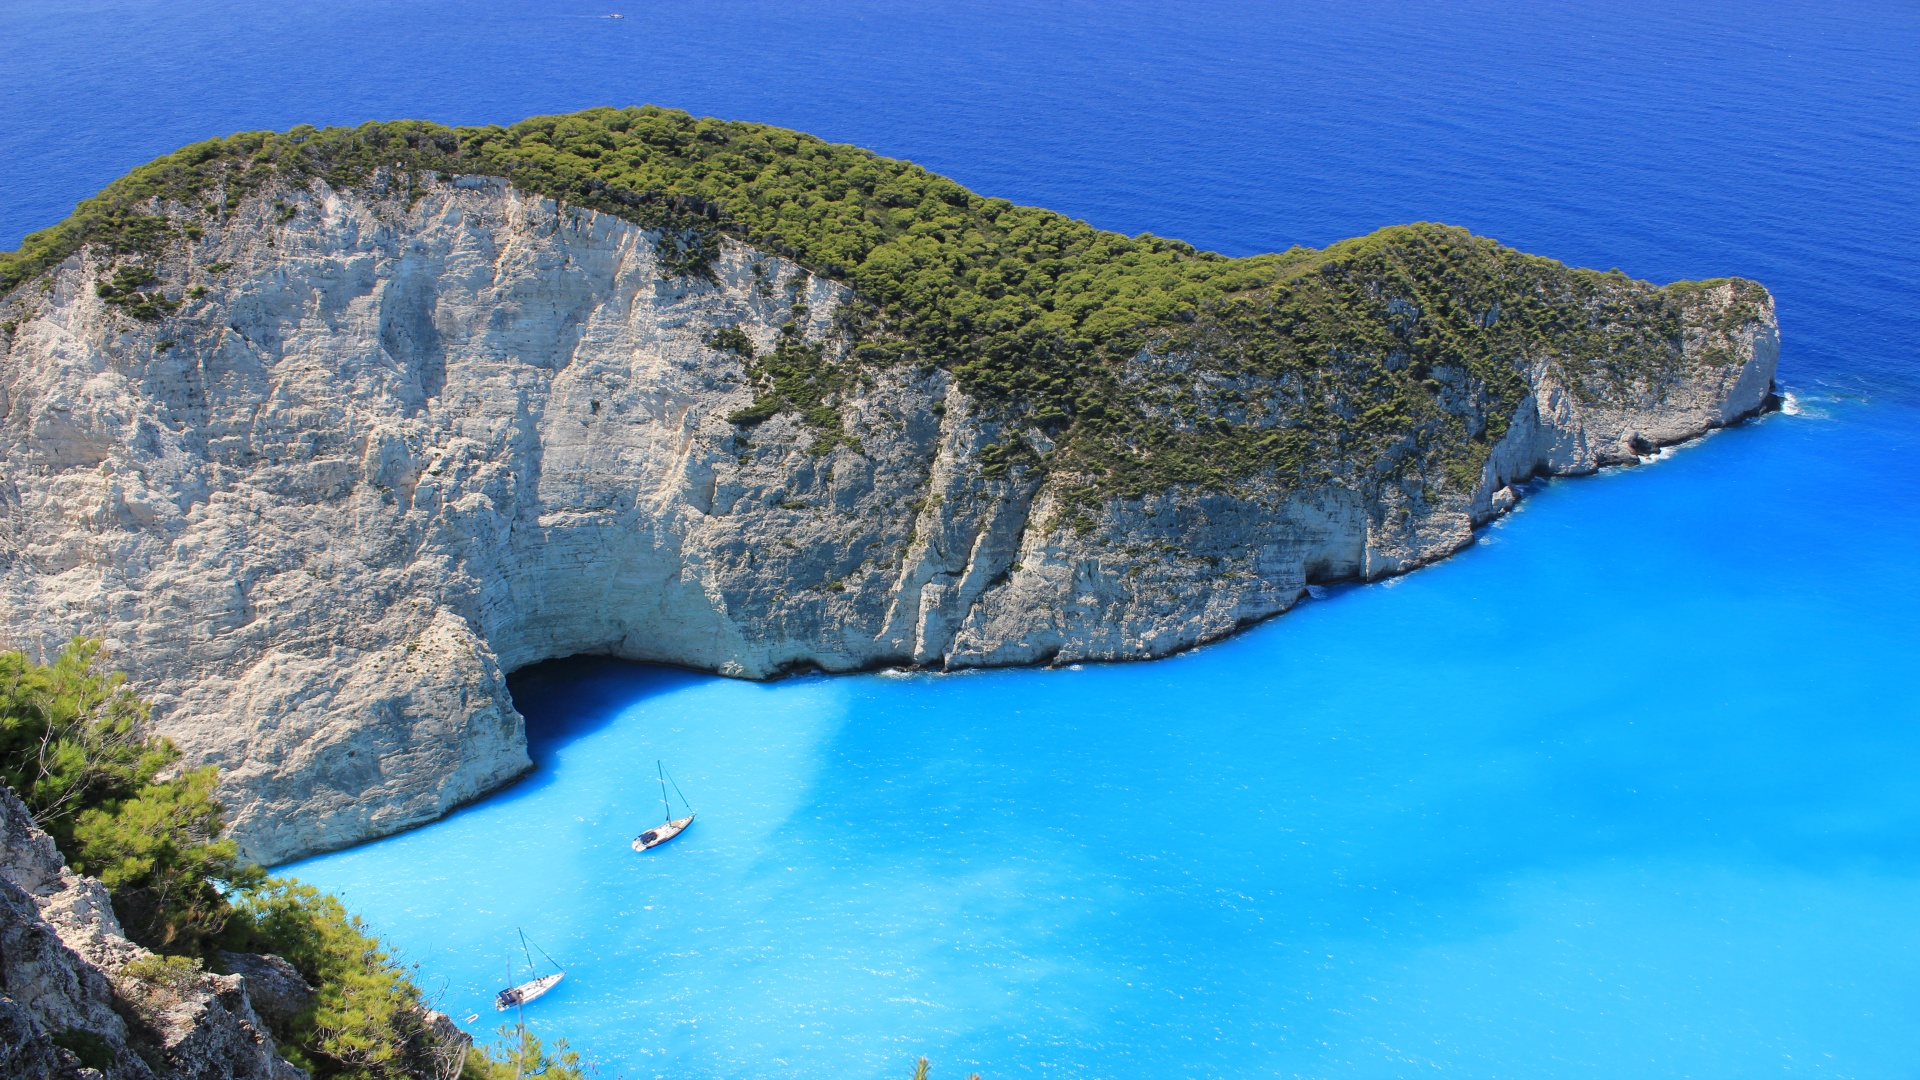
<point>69,1003</point>
<point>274,985</point>
<point>400,448</point>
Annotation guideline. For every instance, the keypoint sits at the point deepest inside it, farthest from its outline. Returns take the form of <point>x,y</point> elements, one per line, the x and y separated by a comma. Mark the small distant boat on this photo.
<point>660,834</point>
<point>526,991</point>
<point>673,826</point>
<point>616,15</point>
<point>519,995</point>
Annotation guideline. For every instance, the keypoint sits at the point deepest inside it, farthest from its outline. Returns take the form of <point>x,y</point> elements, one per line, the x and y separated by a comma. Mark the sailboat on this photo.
<point>673,826</point>
<point>533,988</point>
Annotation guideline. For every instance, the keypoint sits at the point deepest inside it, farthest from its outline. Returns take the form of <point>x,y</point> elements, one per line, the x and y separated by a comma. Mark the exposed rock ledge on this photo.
<point>402,448</point>
<point>65,984</point>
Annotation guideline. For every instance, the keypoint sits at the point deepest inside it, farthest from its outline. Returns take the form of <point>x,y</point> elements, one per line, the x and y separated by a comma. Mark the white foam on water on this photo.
<point>1814,407</point>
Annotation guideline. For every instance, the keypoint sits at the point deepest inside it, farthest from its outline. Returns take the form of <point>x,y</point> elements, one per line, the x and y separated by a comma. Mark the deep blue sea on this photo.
<point>1630,789</point>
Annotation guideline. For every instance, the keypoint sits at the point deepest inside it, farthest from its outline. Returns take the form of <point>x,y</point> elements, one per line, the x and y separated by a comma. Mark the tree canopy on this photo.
<point>74,745</point>
<point>1404,346</point>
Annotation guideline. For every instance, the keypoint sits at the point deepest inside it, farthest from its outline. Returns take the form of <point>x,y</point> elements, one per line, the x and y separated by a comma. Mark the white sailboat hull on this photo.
<point>660,834</point>
<point>526,991</point>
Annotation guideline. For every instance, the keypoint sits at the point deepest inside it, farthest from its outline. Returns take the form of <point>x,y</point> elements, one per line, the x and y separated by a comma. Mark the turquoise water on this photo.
<point>1626,790</point>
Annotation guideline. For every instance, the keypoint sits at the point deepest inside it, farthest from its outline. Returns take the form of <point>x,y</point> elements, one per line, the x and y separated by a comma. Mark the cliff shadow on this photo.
<point>563,700</point>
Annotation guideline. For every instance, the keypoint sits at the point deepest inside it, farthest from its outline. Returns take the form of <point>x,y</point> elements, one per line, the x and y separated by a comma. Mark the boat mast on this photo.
<point>682,794</point>
<point>543,952</point>
<point>664,804</point>
<point>520,1028</point>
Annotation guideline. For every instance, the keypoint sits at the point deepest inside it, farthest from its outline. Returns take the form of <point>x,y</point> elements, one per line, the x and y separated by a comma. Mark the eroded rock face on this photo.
<point>399,448</point>
<point>72,996</point>
<point>274,986</point>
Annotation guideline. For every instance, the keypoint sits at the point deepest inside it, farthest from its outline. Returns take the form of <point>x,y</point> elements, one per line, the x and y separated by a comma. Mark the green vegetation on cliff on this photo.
<point>74,746</point>
<point>1397,355</point>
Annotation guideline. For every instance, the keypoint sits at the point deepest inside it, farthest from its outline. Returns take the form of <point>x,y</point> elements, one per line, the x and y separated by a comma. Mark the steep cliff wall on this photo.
<point>395,443</point>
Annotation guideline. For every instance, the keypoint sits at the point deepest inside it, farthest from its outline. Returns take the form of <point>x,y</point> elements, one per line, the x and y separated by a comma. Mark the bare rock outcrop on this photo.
<point>75,994</point>
<point>275,987</point>
<point>394,447</point>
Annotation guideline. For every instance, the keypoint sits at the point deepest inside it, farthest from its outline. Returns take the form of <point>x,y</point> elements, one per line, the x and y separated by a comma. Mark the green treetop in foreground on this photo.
<point>1404,348</point>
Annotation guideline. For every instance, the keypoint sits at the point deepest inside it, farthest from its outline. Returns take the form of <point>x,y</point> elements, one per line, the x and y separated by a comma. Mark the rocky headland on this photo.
<point>323,450</point>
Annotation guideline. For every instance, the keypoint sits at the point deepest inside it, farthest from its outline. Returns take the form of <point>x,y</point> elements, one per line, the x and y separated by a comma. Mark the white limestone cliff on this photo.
<point>399,448</point>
